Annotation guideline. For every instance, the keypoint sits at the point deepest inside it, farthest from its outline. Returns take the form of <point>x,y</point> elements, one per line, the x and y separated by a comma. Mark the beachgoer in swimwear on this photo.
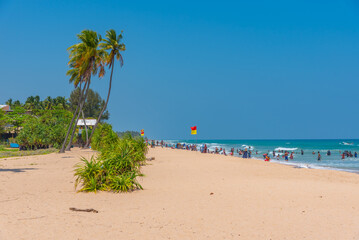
<point>319,156</point>
<point>286,156</point>
<point>291,156</point>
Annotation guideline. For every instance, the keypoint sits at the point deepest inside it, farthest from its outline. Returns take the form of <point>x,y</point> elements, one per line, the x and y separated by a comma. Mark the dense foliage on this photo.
<point>117,165</point>
<point>47,129</point>
<point>133,134</point>
<point>93,105</point>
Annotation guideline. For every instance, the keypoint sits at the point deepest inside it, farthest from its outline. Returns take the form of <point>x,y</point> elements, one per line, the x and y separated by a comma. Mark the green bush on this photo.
<point>117,165</point>
<point>46,129</point>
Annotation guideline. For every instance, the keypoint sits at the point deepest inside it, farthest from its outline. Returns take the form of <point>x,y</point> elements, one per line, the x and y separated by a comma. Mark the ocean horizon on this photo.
<point>259,147</point>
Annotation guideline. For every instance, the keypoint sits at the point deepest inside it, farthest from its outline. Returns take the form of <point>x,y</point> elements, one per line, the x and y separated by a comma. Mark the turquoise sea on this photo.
<point>307,160</point>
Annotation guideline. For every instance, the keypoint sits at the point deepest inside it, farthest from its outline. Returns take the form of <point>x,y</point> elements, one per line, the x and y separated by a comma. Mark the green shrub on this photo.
<point>46,129</point>
<point>117,165</point>
<point>103,137</point>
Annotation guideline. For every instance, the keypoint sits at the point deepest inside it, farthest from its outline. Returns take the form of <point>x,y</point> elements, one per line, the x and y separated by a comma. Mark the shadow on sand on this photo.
<point>16,170</point>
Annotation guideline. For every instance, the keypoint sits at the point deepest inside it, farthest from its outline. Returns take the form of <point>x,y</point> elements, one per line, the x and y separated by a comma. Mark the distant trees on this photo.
<point>92,106</point>
<point>35,103</point>
<point>133,134</point>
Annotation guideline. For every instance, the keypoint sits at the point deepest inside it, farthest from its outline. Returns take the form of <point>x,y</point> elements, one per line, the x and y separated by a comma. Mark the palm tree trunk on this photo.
<point>104,107</point>
<point>68,148</point>
<point>73,118</point>
<point>87,134</point>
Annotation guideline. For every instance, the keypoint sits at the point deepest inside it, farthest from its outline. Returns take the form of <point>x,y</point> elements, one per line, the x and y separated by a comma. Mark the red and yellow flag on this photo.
<point>142,132</point>
<point>194,130</point>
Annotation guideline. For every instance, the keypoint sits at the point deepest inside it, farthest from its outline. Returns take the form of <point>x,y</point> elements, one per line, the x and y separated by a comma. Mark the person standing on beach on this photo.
<point>319,156</point>
<point>245,153</point>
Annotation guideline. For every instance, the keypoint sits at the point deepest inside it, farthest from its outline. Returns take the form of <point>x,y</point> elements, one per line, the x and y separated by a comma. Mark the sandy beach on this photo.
<point>187,195</point>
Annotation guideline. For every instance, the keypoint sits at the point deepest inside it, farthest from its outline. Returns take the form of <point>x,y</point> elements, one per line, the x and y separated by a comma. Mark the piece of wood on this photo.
<point>84,210</point>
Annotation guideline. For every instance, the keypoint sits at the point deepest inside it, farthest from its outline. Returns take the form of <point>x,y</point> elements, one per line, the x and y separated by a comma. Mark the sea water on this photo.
<point>307,160</point>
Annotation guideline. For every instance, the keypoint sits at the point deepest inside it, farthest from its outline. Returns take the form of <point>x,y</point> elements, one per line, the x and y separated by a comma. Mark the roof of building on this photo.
<point>89,122</point>
<point>5,107</point>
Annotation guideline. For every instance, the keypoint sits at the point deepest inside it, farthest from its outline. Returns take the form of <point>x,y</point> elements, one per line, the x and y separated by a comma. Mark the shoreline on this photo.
<point>187,195</point>
<point>334,161</point>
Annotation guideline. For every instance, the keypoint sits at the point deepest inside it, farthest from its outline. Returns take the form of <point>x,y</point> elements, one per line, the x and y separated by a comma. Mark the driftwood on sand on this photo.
<point>84,210</point>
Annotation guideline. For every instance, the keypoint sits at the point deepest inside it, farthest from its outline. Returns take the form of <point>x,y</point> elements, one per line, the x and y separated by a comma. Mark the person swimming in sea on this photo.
<point>302,152</point>
<point>291,156</point>
<point>329,153</point>
<point>286,156</point>
<point>355,154</point>
<point>319,156</point>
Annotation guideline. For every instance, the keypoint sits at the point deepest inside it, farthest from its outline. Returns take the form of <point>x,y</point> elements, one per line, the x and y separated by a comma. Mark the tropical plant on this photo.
<point>86,60</point>
<point>104,137</point>
<point>117,165</point>
<point>113,44</point>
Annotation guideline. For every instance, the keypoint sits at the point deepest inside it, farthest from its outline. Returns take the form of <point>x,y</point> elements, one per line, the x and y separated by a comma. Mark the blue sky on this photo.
<point>236,69</point>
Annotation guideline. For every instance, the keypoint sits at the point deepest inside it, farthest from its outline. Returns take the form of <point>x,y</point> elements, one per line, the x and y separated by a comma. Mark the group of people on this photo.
<point>245,153</point>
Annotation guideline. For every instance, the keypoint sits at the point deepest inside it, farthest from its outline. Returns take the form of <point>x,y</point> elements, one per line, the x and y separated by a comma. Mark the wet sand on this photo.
<point>187,195</point>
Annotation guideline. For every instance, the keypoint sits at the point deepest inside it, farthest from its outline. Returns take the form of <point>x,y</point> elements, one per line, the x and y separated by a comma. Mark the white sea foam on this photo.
<point>285,149</point>
<point>246,146</point>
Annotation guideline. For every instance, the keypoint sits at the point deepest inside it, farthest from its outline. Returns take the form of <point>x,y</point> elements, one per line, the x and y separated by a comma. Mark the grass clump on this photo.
<point>117,165</point>
<point>16,153</point>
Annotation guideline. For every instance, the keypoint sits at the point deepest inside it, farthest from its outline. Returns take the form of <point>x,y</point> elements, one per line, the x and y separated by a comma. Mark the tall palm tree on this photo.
<point>86,59</point>
<point>113,44</point>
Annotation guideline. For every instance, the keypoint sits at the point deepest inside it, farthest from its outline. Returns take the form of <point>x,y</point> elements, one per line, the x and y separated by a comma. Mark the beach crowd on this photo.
<point>246,153</point>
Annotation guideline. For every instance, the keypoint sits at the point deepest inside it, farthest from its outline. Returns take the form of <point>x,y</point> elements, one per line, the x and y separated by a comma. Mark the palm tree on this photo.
<point>112,43</point>
<point>9,102</point>
<point>86,59</point>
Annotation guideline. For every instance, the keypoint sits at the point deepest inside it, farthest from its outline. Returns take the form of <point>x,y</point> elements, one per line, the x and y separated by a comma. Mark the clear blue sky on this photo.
<point>236,69</point>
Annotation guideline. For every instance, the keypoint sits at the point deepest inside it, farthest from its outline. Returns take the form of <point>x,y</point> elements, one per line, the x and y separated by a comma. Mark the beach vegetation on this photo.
<point>44,130</point>
<point>6,152</point>
<point>116,166</point>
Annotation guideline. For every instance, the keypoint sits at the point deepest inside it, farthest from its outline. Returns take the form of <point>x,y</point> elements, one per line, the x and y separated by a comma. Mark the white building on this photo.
<point>89,122</point>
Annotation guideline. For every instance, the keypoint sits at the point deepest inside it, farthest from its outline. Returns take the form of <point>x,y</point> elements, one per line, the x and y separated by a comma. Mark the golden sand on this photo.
<point>187,195</point>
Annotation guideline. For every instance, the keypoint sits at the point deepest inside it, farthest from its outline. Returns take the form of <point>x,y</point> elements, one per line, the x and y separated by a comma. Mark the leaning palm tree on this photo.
<point>113,44</point>
<point>86,59</point>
